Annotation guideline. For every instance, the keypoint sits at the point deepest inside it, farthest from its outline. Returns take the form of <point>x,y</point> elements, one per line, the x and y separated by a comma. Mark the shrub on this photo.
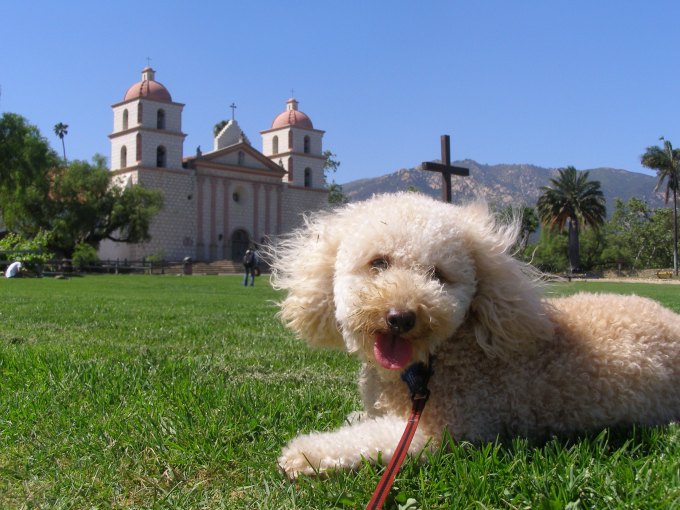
<point>84,255</point>
<point>32,253</point>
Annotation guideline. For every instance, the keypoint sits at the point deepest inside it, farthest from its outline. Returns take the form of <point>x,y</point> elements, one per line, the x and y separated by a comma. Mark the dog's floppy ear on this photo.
<point>303,265</point>
<point>507,311</point>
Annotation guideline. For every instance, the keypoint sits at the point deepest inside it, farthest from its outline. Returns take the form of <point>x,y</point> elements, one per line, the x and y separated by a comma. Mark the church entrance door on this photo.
<point>239,244</point>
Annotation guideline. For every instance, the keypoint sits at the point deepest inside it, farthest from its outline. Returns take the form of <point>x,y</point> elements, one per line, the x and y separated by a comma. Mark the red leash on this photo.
<point>416,376</point>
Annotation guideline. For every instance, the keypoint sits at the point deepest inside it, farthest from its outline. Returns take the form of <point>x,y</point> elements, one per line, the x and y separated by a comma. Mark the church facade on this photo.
<point>215,203</point>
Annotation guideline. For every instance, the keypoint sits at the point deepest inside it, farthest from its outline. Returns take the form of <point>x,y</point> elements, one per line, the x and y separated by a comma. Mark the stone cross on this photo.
<point>445,168</point>
<point>233,109</point>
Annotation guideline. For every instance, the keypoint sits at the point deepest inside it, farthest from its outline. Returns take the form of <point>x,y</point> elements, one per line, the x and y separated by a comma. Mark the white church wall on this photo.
<point>173,230</point>
<point>118,114</point>
<point>296,202</point>
<point>241,210</point>
<point>268,143</point>
<point>173,116</point>
<point>229,135</point>
<point>129,141</point>
<point>151,139</point>
<point>299,141</point>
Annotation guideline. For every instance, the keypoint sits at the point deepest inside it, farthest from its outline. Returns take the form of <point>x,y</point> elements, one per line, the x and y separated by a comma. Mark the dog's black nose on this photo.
<point>400,321</point>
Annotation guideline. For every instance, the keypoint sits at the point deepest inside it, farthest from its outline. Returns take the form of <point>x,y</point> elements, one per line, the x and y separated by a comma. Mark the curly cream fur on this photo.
<point>508,362</point>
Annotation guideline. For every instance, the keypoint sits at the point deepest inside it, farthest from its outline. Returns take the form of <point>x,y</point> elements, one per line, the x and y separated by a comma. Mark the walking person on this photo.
<point>250,265</point>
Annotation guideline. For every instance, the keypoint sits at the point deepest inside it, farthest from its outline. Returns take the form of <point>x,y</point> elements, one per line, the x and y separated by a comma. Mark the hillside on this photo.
<point>504,184</point>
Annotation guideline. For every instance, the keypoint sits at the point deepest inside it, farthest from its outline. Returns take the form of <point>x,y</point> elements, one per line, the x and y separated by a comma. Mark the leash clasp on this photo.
<point>416,378</point>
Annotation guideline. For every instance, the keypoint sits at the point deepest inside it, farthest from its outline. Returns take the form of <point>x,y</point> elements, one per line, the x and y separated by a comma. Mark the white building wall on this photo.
<point>173,229</point>
<point>118,113</point>
<point>173,143</point>
<point>129,140</point>
<point>297,202</point>
<point>315,165</point>
<point>299,140</point>
<point>241,212</point>
<point>268,143</point>
<point>229,135</point>
<point>173,114</point>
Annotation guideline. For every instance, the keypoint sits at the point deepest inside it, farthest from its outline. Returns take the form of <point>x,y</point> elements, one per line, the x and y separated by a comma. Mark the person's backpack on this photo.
<point>249,258</point>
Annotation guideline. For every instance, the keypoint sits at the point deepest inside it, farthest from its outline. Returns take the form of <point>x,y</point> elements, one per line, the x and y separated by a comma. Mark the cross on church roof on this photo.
<point>148,61</point>
<point>445,168</point>
<point>233,109</point>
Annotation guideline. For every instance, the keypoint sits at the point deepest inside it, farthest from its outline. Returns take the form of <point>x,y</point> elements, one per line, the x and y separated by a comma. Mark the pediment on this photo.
<point>238,157</point>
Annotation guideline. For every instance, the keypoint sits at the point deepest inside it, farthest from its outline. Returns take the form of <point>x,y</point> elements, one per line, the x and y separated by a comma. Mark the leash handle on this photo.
<point>416,377</point>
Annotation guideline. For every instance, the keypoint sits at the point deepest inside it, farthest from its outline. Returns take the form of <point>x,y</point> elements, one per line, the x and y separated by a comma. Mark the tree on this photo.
<point>570,201</point>
<point>84,208</point>
<point>24,155</point>
<point>33,253</point>
<point>61,130</point>
<point>550,253</point>
<point>666,161</point>
<point>219,127</point>
<point>638,237</point>
<point>75,204</point>
<point>330,167</point>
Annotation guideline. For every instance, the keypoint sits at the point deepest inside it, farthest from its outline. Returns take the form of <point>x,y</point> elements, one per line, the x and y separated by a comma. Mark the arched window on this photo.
<point>125,119</point>
<point>308,177</point>
<point>290,169</point>
<point>160,119</point>
<point>139,113</point>
<point>160,156</point>
<point>290,140</point>
<point>275,145</point>
<point>241,158</point>
<point>138,147</point>
<point>306,150</point>
<point>123,156</point>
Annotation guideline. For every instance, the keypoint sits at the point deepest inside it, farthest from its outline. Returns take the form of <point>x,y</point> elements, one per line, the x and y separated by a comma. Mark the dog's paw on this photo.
<point>295,462</point>
<point>346,448</point>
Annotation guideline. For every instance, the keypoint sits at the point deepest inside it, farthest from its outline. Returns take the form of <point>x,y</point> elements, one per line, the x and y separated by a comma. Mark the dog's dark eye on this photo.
<point>380,264</point>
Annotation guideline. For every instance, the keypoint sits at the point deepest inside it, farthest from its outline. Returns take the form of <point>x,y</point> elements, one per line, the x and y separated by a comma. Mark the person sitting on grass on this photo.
<point>13,270</point>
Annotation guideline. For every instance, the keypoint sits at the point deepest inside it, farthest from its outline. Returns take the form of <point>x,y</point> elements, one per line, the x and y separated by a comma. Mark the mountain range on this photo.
<point>505,184</point>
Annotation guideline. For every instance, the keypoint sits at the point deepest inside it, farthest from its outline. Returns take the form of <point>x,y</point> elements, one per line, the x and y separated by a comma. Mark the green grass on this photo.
<point>175,392</point>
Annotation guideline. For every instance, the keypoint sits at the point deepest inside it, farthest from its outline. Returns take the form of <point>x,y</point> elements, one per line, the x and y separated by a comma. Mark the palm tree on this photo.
<point>61,130</point>
<point>572,200</point>
<point>666,161</point>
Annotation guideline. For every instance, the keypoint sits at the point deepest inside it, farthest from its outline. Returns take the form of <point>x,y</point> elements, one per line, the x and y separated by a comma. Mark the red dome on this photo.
<point>148,88</point>
<point>292,117</point>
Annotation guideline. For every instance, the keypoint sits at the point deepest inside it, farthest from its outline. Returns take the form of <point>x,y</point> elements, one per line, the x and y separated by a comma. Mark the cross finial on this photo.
<point>148,61</point>
<point>292,92</point>
<point>233,110</point>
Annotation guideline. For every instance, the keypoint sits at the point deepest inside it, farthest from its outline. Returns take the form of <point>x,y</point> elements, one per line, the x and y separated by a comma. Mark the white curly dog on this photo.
<point>401,277</point>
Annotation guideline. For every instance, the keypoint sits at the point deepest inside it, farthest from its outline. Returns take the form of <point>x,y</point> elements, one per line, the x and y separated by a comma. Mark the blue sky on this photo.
<point>550,83</point>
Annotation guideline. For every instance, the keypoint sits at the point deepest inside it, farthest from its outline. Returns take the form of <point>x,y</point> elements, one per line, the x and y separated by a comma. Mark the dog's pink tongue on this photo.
<point>392,351</point>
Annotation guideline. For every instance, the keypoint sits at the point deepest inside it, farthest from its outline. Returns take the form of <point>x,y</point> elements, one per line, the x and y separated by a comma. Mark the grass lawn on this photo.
<point>179,392</point>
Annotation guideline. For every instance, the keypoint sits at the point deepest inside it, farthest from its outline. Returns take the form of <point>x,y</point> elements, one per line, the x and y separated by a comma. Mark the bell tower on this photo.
<point>147,127</point>
<point>294,144</point>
